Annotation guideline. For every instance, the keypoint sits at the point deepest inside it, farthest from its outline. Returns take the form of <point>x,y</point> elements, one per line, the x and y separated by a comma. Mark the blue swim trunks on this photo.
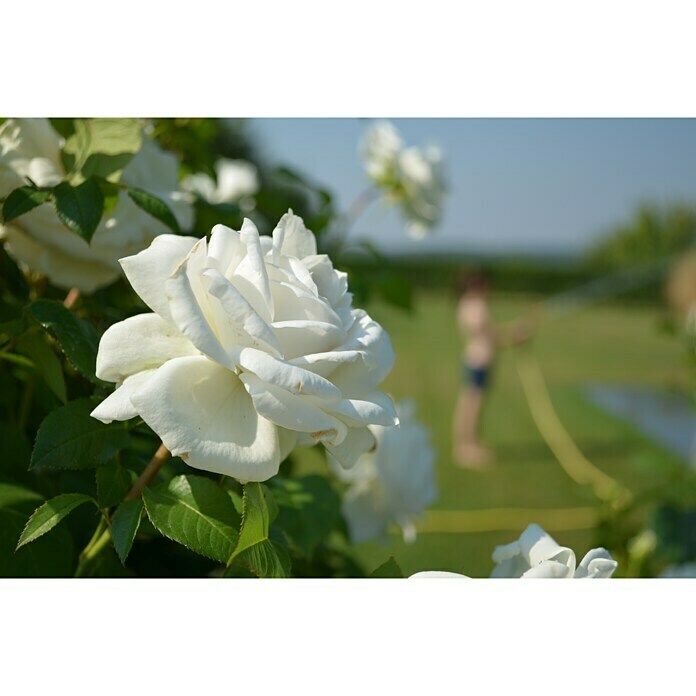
<point>476,376</point>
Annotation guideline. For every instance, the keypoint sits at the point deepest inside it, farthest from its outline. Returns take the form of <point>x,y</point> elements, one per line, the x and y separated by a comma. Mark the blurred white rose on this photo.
<point>237,181</point>
<point>536,555</point>
<point>380,148</point>
<point>40,241</point>
<point>412,177</point>
<point>421,173</point>
<point>394,483</point>
<point>253,347</point>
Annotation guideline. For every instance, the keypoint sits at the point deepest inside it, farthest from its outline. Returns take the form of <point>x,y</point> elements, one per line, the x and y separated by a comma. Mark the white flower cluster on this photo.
<point>412,177</point>
<point>253,347</point>
<point>394,483</point>
<point>30,148</point>
<point>537,555</point>
<point>237,182</point>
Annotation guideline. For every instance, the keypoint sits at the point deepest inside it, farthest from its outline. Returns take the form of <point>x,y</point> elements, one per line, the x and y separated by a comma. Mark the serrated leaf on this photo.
<point>52,556</point>
<point>45,362</point>
<point>255,519</point>
<point>196,512</point>
<point>389,569</point>
<point>155,207</point>
<point>267,559</point>
<point>80,208</point>
<point>113,482</point>
<point>69,438</point>
<point>124,526</point>
<point>22,200</point>
<point>77,338</point>
<point>103,146</point>
<point>48,515</point>
<point>309,509</point>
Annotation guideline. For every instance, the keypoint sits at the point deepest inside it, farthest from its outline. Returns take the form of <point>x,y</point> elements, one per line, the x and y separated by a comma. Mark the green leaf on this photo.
<point>389,569</point>
<point>155,207</point>
<point>77,338</point>
<point>46,517</point>
<point>69,438</point>
<point>309,509</point>
<point>124,526</point>
<point>52,556</point>
<point>103,146</point>
<point>45,362</point>
<point>267,559</point>
<point>196,512</point>
<point>256,521</point>
<point>22,200</point>
<point>80,207</point>
<point>113,482</point>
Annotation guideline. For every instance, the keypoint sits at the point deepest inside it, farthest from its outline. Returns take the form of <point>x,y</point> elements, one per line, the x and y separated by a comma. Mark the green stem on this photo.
<point>97,533</point>
<point>91,552</point>
<point>102,535</point>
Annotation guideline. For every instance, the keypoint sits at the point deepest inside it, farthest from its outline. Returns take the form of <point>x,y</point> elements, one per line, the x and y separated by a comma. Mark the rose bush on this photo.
<point>394,483</point>
<point>30,149</point>
<point>253,347</point>
<point>411,177</point>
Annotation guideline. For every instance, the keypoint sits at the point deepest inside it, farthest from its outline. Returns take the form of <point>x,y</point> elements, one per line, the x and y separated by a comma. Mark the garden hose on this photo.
<point>560,442</point>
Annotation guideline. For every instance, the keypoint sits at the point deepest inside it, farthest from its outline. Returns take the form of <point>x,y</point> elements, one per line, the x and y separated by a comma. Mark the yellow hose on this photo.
<point>559,441</point>
<point>506,519</point>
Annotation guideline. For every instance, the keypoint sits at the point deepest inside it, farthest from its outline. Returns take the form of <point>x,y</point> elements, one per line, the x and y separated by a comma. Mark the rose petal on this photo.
<point>191,309</point>
<point>597,563</point>
<point>239,322</point>
<point>118,405</point>
<point>203,414</point>
<point>549,569</point>
<point>292,238</point>
<point>139,343</point>
<point>148,271</point>
<point>286,376</point>
<point>375,409</point>
<point>293,412</point>
<point>352,447</point>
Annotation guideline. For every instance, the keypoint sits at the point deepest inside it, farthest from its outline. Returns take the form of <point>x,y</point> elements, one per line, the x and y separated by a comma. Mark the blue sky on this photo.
<point>528,186</point>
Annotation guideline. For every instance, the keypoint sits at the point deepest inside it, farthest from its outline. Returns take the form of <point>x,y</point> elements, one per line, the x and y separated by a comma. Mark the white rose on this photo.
<point>40,241</point>
<point>253,347</point>
<point>394,483</point>
<point>380,148</point>
<point>236,180</point>
<point>536,555</point>
<point>412,177</point>
<point>421,174</point>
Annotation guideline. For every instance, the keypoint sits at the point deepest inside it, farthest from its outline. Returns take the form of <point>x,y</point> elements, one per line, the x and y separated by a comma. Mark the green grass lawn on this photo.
<point>608,343</point>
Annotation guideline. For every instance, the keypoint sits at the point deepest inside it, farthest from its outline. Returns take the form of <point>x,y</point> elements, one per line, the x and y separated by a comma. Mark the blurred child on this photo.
<point>481,339</point>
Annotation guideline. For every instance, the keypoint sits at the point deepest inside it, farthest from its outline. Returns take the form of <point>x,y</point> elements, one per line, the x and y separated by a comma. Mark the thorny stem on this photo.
<point>149,472</point>
<point>102,535</point>
<point>71,298</point>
